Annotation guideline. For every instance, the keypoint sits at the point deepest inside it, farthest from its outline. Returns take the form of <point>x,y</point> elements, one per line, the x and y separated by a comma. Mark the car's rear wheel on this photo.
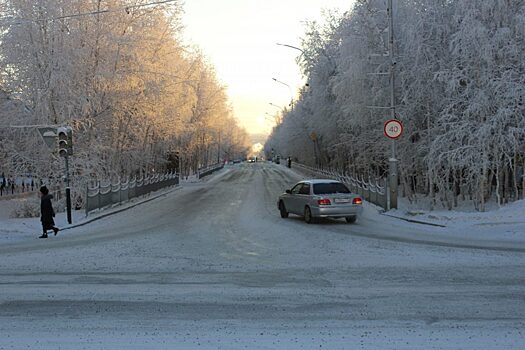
<point>308,215</point>
<point>282,210</point>
<point>351,219</point>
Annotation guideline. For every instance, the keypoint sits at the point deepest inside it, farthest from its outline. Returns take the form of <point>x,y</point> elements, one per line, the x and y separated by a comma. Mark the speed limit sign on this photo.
<point>393,129</point>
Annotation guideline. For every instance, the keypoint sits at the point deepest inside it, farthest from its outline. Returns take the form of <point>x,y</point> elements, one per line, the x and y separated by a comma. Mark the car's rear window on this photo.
<point>330,187</point>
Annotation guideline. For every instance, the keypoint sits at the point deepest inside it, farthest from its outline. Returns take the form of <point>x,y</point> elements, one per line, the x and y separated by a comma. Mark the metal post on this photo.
<point>393,179</point>
<point>87,199</point>
<point>68,191</point>
<point>219,149</point>
<point>119,190</point>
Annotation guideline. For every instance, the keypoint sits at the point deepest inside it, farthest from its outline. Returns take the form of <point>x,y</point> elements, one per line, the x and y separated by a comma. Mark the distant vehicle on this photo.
<point>320,198</point>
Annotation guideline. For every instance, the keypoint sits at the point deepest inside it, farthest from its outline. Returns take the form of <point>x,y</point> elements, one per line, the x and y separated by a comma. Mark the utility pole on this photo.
<point>392,161</point>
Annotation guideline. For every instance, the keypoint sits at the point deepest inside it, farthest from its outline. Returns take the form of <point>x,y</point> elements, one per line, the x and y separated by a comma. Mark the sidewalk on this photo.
<point>18,229</point>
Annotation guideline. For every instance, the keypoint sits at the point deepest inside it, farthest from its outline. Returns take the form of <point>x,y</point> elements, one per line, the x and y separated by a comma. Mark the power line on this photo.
<point>126,8</point>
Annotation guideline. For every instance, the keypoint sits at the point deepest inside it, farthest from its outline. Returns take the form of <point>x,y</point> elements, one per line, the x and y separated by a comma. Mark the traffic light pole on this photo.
<point>68,191</point>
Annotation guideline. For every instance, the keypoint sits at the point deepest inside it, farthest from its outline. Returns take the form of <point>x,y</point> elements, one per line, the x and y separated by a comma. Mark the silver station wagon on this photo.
<point>320,198</point>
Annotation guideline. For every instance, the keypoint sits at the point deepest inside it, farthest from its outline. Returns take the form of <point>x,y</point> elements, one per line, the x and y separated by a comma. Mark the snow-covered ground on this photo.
<point>505,224</point>
<point>213,266</point>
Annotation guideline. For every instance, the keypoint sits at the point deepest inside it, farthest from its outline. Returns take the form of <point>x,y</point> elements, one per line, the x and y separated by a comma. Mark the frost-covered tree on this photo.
<point>119,74</point>
<point>459,92</point>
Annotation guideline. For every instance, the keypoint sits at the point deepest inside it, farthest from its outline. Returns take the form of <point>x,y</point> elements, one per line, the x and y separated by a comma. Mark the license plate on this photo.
<point>342,200</point>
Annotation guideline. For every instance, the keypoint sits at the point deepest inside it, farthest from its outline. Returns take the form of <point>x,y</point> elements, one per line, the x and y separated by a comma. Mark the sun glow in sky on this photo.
<point>239,38</point>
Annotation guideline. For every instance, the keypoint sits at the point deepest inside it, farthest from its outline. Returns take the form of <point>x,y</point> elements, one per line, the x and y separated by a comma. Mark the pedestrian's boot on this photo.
<point>55,230</point>
<point>44,235</point>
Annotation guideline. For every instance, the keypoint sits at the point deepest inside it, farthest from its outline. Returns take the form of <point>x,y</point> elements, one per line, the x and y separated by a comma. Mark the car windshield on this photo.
<point>330,187</point>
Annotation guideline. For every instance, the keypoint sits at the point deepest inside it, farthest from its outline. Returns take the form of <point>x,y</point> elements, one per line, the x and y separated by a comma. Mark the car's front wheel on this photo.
<point>282,210</point>
<point>351,219</point>
<point>308,215</point>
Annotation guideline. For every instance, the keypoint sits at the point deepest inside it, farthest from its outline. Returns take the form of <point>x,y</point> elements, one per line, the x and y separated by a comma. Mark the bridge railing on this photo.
<point>101,194</point>
<point>209,170</point>
<point>373,190</point>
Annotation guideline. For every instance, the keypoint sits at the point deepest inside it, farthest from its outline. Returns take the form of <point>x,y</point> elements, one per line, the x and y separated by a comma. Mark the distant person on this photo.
<point>32,185</point>
<point>47,212</point>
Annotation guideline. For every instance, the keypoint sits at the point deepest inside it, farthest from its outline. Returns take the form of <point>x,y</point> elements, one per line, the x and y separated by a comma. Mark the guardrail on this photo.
<point>372,190</point>
<point>209,170</point>
<point>103,195</point>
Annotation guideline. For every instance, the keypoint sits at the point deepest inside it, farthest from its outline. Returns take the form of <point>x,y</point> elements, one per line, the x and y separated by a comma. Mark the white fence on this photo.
<point>105,194</point>
<point>372,190</point>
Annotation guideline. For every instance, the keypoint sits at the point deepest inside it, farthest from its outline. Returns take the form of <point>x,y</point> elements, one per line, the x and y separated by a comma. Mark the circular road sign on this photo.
<point>393,129</point>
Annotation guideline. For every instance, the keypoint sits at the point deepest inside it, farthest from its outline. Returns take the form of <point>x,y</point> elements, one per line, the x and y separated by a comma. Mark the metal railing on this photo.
<point>105,194</point>
<point>372,190</point>
<point>209,170</point>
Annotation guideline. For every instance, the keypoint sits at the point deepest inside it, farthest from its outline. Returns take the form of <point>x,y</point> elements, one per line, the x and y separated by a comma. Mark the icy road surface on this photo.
<point>213,266</point>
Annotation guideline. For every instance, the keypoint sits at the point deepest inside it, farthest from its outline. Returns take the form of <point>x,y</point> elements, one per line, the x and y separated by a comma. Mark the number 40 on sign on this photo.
<point>393,129</point>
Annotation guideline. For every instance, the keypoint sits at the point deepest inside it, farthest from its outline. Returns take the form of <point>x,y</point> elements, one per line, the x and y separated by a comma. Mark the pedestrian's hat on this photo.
<point>44,190</point>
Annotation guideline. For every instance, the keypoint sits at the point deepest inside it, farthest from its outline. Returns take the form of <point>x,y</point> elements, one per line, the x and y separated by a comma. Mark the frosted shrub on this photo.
<point>27,208</point>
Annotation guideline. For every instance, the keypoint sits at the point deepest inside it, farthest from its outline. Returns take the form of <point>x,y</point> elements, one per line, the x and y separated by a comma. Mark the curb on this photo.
<point>177,187</point>
<point>414,221</point>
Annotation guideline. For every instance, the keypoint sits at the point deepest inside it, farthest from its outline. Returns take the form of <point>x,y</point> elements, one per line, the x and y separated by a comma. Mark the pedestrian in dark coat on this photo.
<point>47,213</point>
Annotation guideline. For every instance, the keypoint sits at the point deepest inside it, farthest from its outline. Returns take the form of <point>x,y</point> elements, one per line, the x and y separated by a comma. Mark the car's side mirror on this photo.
<point>289,191</point>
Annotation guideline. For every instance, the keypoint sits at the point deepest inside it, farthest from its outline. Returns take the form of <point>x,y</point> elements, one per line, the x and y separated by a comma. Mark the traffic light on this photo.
<point>65,141</point>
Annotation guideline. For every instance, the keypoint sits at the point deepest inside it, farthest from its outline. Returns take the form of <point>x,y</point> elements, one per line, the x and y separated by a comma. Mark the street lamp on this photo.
<point>292,47</point>
<point>289,89</point>
<point>275,118</point>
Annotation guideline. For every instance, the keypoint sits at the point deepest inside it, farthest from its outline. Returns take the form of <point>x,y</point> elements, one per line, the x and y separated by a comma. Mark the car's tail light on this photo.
<point>324,202</point>
<point>357,200</point>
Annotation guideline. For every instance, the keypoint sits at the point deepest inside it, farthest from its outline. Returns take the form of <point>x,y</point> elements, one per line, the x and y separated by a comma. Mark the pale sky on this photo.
<point>239,38</point>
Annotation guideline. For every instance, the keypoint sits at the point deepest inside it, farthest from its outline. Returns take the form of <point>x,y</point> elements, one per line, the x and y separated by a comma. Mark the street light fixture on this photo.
<point>280,82</point>
<point>289,89</point>
<point>292,47</point>
<point>275,117</point>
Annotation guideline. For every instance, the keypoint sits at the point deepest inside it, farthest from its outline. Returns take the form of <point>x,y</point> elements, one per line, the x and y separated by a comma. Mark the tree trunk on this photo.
<point>483,186</point>
<point>498,186</point>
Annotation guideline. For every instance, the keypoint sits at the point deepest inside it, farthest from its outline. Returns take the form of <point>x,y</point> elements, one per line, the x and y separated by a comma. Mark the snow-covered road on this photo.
<point>213,266</point>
